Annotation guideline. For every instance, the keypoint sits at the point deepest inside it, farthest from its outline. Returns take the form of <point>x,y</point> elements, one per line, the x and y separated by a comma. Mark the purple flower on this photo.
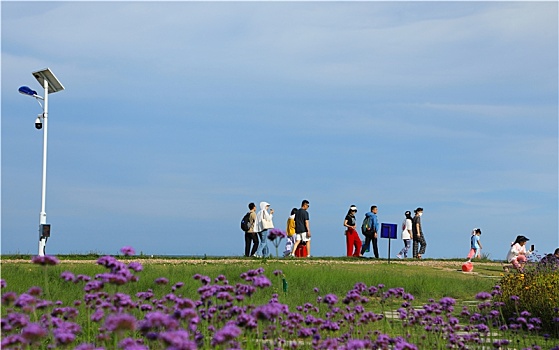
<point>135,266</point>
<point>45,260</point>
<point>227,333</point>
<point>267,311</point>
<point>120,322</point>
<point>261,281</point>
<point>330,299</point>
<point>86,346</point>
<point>93,286</point>
<point>25,300</point>
<point>2,283</point>
<point>33,332</point>
<point>11,340</point>
<point>98,315</point>
<point>276,233</point>
<point>305,332</point>
<point>128,251</point>
<point>177,286</point>
<point>35,291</point>
<point>67,276</point>
<point>178,339</point>
<point>132,344</point>
<point>161,280</point>
<point>63,336</point>
<point>483,296</point>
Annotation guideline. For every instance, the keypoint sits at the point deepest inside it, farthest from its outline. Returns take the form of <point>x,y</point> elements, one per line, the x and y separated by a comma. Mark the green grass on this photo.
<point>330,276</point>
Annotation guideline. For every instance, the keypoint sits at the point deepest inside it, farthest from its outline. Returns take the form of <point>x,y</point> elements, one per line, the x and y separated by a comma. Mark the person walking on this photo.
<point>302,228</point>
<point>353,242</point>
<point>517,253</point>
<point>475,244</point>
<point>251,237</point>
<point>371,232</point>
<point>263,224</point>
<point>290,230</point>
<point>418,237</point>
<point>407,233</point>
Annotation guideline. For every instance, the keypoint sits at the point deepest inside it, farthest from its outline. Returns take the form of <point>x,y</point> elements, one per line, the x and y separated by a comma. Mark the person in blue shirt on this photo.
<point>475,244</point>
<point>372,234</point>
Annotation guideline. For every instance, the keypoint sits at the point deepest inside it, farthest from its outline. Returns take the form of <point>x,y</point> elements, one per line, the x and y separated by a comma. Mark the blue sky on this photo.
<point>176,115</point>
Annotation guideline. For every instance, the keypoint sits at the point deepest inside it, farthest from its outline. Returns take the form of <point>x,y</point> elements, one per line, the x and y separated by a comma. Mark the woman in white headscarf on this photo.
<point>263,224</point>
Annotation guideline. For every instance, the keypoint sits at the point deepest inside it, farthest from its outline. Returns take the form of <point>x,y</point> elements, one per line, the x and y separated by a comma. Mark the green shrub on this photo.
<point>530,296</point>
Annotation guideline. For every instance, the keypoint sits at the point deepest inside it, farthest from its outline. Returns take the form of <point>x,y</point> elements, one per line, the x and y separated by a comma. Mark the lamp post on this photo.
<point>49,82</point>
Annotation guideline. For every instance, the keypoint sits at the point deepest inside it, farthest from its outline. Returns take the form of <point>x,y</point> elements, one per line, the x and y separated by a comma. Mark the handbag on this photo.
<point>266,224</point>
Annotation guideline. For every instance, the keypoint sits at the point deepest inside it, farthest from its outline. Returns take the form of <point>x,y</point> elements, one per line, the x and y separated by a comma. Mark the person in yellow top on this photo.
<point>290,230</point>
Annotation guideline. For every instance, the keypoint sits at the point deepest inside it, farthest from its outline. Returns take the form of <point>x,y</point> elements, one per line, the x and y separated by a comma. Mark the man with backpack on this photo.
<point>247,225</point>
<point>370,228</point>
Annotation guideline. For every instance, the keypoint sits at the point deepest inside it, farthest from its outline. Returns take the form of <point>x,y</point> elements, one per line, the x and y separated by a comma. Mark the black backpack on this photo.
<point>244,222</point>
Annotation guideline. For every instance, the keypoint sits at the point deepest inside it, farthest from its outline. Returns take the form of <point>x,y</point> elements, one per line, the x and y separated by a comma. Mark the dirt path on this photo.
<point>442,264</point>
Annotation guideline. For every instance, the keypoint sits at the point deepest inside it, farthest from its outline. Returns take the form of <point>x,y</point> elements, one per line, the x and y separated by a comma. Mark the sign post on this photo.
<point>388,231</point>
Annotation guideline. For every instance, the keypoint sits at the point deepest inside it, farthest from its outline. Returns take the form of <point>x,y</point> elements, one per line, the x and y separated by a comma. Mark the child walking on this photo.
<point>290,230</point>
<point>475,244</point>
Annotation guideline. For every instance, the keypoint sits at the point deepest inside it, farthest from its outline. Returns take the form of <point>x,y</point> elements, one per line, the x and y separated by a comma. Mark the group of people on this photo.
<point>370,228</point>
<point>299,233</point>
<point>298,230</point>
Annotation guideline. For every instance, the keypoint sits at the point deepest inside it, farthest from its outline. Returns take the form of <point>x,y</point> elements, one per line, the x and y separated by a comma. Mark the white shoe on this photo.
<point>309,256</point>
<point>399,256</point>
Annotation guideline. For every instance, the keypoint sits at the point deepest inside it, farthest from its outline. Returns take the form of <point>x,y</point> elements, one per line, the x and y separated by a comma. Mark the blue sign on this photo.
<point>388,231</point>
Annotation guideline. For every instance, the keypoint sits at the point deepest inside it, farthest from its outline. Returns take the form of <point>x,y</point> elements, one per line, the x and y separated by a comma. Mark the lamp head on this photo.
<point>26,90</point>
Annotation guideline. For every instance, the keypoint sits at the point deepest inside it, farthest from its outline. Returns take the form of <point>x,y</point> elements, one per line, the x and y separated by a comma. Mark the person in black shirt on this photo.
<point>302,228</point>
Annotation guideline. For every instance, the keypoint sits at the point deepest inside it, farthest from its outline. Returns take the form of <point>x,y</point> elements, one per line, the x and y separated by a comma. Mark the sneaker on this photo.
<point>399,256</point>
<point>309,256</point>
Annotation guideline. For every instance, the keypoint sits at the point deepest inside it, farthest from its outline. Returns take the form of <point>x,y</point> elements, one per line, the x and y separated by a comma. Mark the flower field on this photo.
<point>131,303</point>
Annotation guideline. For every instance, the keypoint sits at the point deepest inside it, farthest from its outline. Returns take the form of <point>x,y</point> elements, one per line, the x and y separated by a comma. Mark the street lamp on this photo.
<point>49,82</point>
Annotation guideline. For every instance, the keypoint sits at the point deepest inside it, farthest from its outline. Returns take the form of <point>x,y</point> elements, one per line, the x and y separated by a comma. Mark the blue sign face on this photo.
<point>388,231</point>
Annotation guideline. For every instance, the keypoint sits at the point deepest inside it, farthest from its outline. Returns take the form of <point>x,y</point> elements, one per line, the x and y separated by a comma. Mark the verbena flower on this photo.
<point>45,260</point>
<point>67,276</point>
<point>226,334</point>
<point>161,280</point>
<point>120,322</point>
<point>127,251</point>
<point>330,299</point>
<point>135,266</point>
<point>275,233</point>
<point>483,296</point>
<point>33,332</point>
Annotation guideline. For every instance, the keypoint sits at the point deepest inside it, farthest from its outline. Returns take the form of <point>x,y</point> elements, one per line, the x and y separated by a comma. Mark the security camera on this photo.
<point>38,122</point>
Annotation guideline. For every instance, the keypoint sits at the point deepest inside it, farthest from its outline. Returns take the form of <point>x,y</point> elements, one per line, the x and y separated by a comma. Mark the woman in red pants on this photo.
<point>353,242</point>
